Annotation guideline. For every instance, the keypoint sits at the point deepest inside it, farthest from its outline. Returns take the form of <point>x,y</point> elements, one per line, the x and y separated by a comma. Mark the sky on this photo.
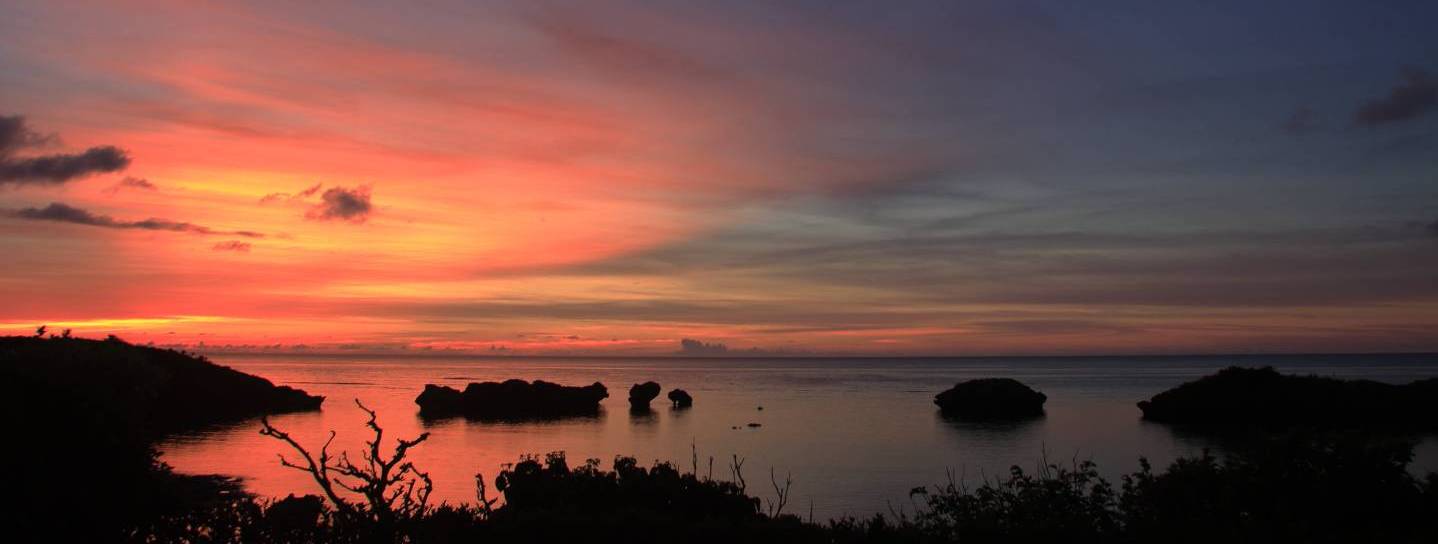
<point>805,178</point>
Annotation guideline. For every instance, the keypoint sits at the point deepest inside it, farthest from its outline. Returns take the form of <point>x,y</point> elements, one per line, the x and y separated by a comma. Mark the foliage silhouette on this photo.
<point>1300,487</point>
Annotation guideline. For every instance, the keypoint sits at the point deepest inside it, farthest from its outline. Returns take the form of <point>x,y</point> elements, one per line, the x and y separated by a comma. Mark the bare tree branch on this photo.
<point>390,486</point>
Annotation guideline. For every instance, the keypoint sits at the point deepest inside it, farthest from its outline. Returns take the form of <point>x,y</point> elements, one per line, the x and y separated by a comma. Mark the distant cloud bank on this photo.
<point>690,346</point>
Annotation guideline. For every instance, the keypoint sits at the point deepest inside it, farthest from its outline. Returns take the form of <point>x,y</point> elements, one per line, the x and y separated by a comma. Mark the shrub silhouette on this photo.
<point>1057,503</point>
<point>1295,488</point>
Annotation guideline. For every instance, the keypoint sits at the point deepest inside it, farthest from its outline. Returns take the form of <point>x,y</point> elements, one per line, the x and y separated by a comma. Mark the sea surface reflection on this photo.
<point>856,434</point>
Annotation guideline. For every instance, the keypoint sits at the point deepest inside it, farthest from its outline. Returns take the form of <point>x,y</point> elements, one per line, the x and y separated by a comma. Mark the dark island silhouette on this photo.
<point>511,399</point>
<point>641,394</point>
<point>1262,397</point>
<point>681,398</point>
<point>991,399</point>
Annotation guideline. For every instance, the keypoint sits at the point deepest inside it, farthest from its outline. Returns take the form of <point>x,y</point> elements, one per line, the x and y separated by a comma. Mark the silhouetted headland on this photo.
<point>82,417</point>
<point>511,399</point>
<point>166,389</point>
<point>991,398</point>
<point>1236,397</point>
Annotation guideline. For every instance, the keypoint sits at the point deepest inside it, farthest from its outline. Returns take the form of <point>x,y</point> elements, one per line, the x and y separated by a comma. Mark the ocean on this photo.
<point>854,434</point>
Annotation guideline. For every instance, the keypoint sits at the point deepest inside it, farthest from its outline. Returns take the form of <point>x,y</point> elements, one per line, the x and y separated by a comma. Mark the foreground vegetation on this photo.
<point>1298,488</point>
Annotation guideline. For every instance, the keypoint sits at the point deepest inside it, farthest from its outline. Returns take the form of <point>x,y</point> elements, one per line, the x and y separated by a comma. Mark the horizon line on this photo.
<point>677,356</point>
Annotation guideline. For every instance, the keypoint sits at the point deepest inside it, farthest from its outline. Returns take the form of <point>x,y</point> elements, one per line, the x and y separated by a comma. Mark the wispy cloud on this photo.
<point>131,183</point>
<point>290,197</point>
<point>232,245</point>
<point>63,213</point>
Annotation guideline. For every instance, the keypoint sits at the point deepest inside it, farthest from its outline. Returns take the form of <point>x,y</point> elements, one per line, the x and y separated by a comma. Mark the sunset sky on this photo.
<point>801,177</point>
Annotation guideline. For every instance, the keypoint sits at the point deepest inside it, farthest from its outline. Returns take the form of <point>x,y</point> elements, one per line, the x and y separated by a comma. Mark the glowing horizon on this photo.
<point>611,179</point>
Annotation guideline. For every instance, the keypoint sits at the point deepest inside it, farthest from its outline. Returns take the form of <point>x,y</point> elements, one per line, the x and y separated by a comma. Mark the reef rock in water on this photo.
<point>991,398</point>
<point>511,399</point>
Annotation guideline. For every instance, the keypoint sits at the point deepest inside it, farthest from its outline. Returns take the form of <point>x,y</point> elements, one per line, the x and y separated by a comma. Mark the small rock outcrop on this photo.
<point>681,398</point>
<point>641,394</point>
<point>991,398</point>
<point>1238,397</point>
<point>511,399</point>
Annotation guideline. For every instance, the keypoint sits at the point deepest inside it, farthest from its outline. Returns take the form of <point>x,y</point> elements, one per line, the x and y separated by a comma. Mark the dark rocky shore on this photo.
<point>1262,397</point>
<point>511,399</point>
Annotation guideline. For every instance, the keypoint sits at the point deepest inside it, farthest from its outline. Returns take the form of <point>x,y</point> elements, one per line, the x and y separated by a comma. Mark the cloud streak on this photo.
<point>131,183</point>
<point>63,213</point>
<point>276,197</point>
<point>54,169</point>
<point>232,245</point>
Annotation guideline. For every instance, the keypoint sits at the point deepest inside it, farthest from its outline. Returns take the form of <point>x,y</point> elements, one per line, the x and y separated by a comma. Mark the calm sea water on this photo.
<point>855,434</point>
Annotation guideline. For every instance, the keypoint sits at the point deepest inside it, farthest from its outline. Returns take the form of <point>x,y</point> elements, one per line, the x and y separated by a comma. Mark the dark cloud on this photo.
<point>15,135</point>
<point>131,183</point>
<point>1414,96</point>
<point>1433,228</point>
<point>276,197</point>
<point>351,205</point>
<point>52,169</point>
<point>232,245</point>
<point>63,213</point>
